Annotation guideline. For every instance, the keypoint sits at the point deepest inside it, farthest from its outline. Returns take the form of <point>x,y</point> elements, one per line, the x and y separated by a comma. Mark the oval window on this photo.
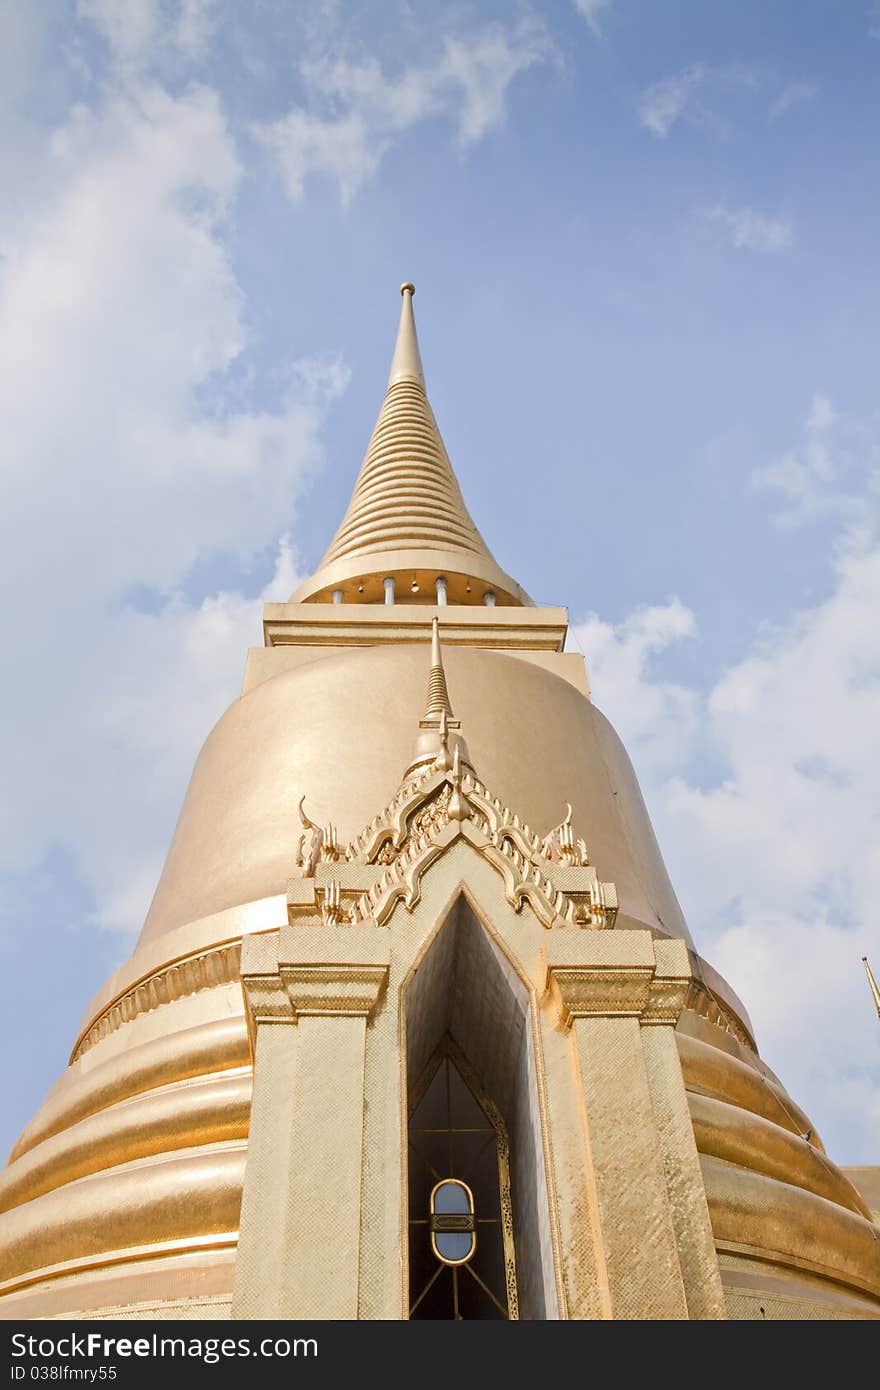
<point>453,1228</point>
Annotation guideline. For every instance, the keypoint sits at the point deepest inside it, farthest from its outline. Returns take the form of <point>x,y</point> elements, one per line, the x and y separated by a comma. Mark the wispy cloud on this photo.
<point>747,229</point>
<point>660,716</point>
<point>662,104</point>
<point>793,94</point>
<point>355,111</point>
<point>831,474</point>
<point>591,11</point>
<point>138,30</point>
<point>701,91</point>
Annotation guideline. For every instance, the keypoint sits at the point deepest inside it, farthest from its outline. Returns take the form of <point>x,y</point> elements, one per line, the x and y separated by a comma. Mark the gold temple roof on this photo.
<point>407,518</point>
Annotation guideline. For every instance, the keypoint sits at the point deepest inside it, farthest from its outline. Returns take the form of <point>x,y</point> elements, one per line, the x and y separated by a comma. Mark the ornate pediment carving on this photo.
<point>440,802</point>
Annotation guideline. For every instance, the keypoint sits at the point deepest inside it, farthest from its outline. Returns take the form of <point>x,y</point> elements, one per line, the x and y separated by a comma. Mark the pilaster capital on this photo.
<point>641,978</point>
<point>334,990</point>
<point>602,990</point>
<point>672,981</point>
<point>266,999</point>
<point>312,971</point>
<point>666,999</point>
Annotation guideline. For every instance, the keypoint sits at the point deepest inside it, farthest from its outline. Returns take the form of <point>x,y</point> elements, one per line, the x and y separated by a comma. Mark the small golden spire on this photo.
<point>875,991</point>
<point>406,364</point>
<point>439,741</point>
<point>438,695</point>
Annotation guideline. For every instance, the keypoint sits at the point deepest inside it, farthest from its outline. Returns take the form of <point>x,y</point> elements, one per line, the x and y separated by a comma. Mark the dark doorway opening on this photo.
<point>456,1132</point>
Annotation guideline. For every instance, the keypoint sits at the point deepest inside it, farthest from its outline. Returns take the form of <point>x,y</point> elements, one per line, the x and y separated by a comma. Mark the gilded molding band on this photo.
<point>219,966</point>
<point>700,1000</point>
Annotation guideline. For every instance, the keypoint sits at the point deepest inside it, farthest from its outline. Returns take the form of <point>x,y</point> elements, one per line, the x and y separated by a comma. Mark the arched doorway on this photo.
<point>474,1117</point>
<point>461,1245</point>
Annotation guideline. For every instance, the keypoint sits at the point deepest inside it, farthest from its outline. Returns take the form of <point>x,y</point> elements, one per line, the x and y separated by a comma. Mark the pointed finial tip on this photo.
<point>407,288</point>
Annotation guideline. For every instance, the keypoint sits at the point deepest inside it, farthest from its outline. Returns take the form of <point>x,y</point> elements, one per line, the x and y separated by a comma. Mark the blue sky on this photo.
<point>644,243</point>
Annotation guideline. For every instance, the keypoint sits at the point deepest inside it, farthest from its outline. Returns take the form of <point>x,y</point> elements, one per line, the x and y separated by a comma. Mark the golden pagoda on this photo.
<point>415,1027</point>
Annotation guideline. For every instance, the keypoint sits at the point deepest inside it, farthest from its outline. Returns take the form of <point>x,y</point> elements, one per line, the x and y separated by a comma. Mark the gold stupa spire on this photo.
<point>407,522</point>
<point>872,983</point>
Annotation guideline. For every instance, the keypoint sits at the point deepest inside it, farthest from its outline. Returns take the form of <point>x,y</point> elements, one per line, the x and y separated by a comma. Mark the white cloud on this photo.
<point>833,474</point>
<point>343,149</point>
<point>355,112</point>
<point>663,103</point>
<point>750,230</point>
<point>787,847</point>
<point>701,92</point>
<point>139,30</point>
<point>591,11</point>
<point>659,717</point>
<point>821,413</point>
<point>800,474</point>
<point>794,723</point>
<point>793,94</point>
<point>187,662</point>
<point>777,855</point>
<point>195,25</point>
<point>476,72</point>
<point>120,322</point>
<point>129,26</point>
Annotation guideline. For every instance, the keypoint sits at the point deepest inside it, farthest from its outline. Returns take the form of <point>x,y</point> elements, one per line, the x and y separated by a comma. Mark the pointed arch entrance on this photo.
<point>473,1117</point>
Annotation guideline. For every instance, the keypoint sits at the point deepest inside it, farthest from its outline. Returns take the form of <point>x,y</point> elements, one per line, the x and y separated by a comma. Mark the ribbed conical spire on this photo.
<point>406,494</point>
<point>407,519</point>
<point>438,695</point>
